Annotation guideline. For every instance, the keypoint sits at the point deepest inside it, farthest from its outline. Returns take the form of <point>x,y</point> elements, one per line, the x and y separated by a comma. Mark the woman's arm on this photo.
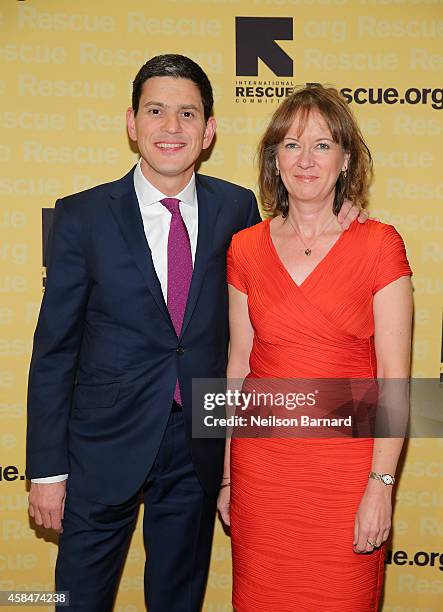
<point>393,323</point>
<point>241,337</point>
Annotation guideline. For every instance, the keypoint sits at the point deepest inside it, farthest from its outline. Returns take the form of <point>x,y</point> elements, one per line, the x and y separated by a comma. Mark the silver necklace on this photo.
<point>308,249</point>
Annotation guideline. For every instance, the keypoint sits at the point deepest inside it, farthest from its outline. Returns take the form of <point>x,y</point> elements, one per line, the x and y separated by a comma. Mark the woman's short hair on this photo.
<point>353,185</point>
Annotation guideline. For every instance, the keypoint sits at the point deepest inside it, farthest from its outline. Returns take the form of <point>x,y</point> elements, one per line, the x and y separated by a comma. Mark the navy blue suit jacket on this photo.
<point>105,357</point>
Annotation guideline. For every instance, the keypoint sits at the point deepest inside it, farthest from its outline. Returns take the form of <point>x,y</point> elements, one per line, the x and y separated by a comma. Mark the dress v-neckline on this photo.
<point>282,265</point>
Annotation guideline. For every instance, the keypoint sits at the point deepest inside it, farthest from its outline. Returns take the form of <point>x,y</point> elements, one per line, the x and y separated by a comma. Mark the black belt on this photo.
<point>176,407</point>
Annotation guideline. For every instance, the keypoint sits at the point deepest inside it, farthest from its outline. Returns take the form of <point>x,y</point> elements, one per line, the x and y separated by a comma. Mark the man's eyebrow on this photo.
<point>153,103</point>
<point>163,105</point>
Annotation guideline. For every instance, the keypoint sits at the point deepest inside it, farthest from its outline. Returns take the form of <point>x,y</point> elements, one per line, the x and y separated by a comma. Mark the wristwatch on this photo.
<point>386,479</point>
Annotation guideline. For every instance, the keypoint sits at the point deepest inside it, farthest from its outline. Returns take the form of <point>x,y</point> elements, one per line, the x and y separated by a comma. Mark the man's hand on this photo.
<point>349,212</point>
<point>224,503</point>
<point>47,504</point>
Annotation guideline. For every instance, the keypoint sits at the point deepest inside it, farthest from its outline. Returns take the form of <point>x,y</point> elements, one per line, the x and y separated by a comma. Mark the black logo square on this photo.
<point>255,38</point>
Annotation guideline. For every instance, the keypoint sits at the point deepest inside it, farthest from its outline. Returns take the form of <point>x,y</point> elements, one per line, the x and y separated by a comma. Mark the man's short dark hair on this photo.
<point>179,67</point>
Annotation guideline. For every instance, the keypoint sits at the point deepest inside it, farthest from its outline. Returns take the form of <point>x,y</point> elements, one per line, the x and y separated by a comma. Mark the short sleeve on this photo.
<point>392,262</point>
<point>235,274</point>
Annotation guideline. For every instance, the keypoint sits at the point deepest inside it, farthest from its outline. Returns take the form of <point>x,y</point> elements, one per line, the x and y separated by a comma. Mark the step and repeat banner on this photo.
<point>65,84</point>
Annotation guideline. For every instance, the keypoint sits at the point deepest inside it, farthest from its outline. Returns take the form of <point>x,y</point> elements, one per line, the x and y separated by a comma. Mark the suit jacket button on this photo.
<point>180,350</point>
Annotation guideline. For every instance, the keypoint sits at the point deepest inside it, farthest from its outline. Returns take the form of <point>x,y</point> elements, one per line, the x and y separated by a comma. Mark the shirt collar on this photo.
<point>148,194</point>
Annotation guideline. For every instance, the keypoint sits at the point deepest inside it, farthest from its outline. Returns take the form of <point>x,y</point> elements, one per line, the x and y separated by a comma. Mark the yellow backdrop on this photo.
<point>65,84</point>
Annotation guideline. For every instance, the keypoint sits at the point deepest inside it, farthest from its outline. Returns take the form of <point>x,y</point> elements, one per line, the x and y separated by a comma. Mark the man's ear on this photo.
<point>208,136</point>
<point>130,123</point>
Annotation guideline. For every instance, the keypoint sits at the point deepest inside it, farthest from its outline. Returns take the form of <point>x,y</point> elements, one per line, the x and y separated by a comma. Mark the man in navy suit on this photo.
<point>109,410</point>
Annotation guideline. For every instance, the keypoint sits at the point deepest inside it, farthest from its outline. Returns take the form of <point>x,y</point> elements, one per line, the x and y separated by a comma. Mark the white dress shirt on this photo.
<point>156,222</point>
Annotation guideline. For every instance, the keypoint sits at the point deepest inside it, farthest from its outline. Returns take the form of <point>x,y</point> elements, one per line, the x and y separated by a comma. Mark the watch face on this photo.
<point>387,479</point>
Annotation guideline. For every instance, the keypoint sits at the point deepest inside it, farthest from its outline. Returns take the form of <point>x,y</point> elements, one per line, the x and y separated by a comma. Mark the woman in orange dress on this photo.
<point>309,516</point>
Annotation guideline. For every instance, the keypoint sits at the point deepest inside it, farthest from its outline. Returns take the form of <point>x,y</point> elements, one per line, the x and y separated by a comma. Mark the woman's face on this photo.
<point>311,162</point>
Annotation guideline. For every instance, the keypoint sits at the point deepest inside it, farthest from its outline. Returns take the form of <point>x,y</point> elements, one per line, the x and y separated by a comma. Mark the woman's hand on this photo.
<point>373,517</point>
<point>224,503</point>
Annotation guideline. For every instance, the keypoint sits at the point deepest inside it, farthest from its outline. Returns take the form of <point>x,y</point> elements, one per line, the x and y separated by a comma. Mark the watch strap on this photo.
<point>386,479</point>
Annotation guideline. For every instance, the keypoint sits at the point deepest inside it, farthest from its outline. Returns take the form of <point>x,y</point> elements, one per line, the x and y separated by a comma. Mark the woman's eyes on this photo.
<point>321,146</point>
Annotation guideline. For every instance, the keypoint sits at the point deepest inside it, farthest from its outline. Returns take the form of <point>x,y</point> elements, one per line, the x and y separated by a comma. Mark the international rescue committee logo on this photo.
<point>257,43</point>
<point>255,39</point>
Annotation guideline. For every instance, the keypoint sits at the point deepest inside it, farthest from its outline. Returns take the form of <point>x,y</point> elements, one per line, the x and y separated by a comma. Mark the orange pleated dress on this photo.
<point>293,501</point>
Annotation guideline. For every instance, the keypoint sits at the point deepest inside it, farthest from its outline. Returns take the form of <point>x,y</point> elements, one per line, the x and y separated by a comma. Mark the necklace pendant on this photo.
<point>308,251</point>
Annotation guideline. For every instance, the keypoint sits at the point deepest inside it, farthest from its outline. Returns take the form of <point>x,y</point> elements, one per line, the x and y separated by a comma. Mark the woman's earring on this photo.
<point>277,172</point>
<point>345,173</point>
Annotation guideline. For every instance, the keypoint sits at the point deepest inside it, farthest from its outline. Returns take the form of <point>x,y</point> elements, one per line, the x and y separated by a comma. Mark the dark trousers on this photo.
<point>177,528</point>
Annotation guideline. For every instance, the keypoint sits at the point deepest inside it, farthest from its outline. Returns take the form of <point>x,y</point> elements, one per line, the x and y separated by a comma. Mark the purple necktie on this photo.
<point>179,270</point>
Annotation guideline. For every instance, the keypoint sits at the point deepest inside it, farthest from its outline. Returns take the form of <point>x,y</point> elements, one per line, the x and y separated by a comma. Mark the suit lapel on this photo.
<point>126,210</point>
<point>208,210</point>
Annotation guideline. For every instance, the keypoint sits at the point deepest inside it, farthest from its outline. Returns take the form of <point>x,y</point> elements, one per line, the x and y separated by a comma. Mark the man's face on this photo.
<point>170,131</point>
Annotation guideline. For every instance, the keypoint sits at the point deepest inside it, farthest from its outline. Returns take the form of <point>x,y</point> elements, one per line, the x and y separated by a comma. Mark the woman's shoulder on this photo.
<point>374,231</point>
<point>250,235</point>
<point>379,243</point>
